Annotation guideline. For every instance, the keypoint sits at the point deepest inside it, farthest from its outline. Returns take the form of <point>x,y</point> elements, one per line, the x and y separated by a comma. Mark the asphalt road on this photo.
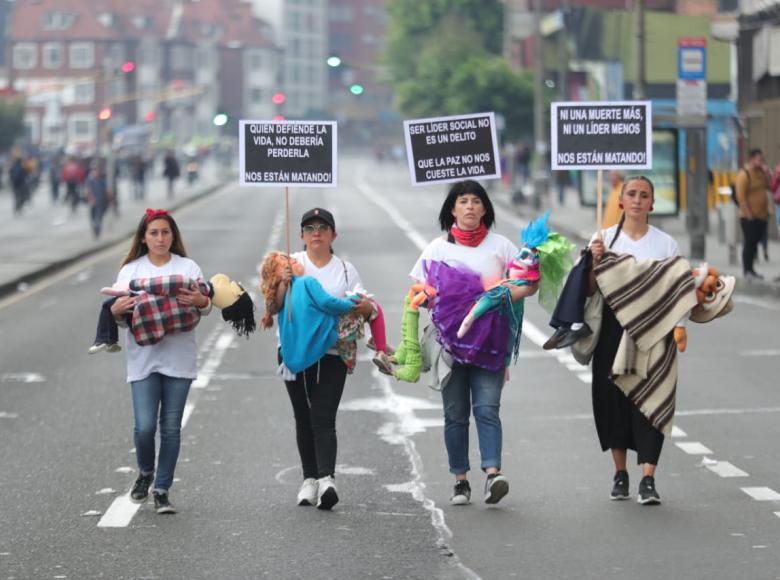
<point>66,431</point>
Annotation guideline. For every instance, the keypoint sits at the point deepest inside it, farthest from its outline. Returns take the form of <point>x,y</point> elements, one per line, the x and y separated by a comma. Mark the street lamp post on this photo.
<point>541,175</point>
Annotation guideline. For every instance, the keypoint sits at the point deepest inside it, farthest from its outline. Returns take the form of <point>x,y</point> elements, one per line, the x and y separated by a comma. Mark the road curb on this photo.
<point>10,287</point>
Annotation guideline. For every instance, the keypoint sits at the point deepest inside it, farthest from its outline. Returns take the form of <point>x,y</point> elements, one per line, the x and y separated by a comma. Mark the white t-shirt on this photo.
<point>176,355</point>
<point>489,259</point>
<point>654,245</point>
<point>337,277</point>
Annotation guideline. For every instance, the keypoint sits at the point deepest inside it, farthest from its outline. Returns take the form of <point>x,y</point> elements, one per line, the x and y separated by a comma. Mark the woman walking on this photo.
<point>469,247</point>
<point>619,422</point>
<point>315,393</point>
<point>159,374</point>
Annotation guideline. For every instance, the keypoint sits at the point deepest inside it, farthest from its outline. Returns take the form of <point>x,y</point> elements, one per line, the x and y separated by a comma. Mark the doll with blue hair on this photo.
<point>544,258</point>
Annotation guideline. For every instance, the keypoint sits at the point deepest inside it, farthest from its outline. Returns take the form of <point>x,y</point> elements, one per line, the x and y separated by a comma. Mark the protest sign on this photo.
<point>601,135</point>
<point>287,153</point>
<point>447,149</point>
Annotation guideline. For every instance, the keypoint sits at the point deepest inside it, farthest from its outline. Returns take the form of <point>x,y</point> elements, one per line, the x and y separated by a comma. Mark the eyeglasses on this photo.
<point>311,228</point>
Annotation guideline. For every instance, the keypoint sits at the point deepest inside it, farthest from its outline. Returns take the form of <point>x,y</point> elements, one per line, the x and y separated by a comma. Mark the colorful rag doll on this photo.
<point>157,312</point>
<point>314,321</point>
<point>409,353</point>
<point>544,258</point>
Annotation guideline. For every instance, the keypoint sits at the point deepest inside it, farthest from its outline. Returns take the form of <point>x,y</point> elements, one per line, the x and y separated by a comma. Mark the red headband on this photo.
<point>153,214</point>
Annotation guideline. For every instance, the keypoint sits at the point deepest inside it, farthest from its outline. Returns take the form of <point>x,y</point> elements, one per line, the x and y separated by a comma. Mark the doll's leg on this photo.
<point>483,305</point>
<point>400,352</point>
<point>410,372</point>
<point>107,333</point>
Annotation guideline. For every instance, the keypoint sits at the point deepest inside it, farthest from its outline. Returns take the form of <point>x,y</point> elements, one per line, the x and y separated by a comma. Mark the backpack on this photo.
<point>733,187</point>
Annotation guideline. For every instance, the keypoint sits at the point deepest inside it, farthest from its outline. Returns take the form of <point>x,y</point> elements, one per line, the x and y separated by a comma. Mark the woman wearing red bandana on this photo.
<point>468,258</point>
<point>159,374</point>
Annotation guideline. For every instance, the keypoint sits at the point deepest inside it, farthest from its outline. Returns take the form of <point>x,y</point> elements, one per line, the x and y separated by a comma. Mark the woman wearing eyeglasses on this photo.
<point>315,393</point>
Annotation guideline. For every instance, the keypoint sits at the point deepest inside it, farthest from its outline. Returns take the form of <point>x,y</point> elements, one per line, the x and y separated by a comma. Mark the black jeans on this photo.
<point>752,232</point>
<point>315,395</point>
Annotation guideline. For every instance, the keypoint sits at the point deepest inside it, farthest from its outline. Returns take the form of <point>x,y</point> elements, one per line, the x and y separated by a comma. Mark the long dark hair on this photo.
<point>446,219</point>
<point>138,248</point>
<point>623,214</point>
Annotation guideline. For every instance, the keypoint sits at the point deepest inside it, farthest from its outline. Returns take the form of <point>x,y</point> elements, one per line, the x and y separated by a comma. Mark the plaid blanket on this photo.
<point>649,298</point>
<point>157,311</point>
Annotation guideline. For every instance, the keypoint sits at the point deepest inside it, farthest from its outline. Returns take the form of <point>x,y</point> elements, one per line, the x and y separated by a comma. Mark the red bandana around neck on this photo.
<point>471,238</point>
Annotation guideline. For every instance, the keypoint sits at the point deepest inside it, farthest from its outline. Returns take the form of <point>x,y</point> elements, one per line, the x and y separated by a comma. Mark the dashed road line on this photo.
<point>726,469</point>
<point>693,448</point>
<point>761,493</point>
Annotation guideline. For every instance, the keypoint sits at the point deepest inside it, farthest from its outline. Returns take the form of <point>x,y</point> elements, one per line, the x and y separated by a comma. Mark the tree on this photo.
<point>11,121</point>
<point>448,77</point>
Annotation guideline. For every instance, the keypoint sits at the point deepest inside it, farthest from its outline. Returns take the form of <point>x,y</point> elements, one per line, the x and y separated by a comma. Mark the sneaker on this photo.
<point>103,346</point>
<point>307,495</point>
<point>326,493</point>
<point>496,487</point>
<point>382,361</point>
<point>140,490</point>
<point>162,505</point>
<point>461,494</point>
<point>113,347</point>
<point>647,493</point>
<point>620,485</point>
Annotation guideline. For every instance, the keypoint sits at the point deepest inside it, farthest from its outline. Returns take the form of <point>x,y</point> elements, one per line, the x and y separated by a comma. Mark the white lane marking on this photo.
<point>22,378</point>
<point>746,411</point>
<point>403,224</point>
<point>765,352</point>
<point>120,513</point>
<point>281,474</point>
<point>677,433</point>
<point>777,514</point>
<point>188,409</point>
<point>7,415</point>
<point>726,469</point>
<point>693,448</point>
<point>755,302</point>
<point>761,493</point>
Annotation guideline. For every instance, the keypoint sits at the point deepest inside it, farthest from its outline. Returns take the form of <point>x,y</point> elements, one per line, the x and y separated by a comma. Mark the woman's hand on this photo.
<point>363,307</point>
<point>192,297</point>
<point>597,250</point>
<point>122,306</point>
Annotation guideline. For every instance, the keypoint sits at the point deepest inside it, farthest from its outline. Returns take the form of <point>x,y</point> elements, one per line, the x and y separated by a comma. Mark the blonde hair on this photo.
<point>269,284</point>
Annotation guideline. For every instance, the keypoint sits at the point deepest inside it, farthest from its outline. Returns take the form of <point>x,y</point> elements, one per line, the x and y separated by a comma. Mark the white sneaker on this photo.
<point>326,493</point>
<point>307,495</point>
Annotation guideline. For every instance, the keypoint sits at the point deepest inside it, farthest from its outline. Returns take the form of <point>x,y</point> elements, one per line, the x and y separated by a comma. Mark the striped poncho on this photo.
<point>648,298</point>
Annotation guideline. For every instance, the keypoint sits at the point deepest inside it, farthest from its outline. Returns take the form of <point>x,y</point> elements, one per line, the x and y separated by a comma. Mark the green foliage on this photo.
<point>11,121</point>
<point>454,72</point>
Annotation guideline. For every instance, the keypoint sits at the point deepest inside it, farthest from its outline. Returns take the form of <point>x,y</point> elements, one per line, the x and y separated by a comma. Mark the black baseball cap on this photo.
<point>318,213</point>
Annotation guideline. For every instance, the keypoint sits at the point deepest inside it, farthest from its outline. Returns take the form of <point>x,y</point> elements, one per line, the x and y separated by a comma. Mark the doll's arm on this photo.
<point>116,290</point>
<point>162,285</point>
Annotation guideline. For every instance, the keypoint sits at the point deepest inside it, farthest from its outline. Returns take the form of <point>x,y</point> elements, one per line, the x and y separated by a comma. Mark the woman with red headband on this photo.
<point>159,374</point>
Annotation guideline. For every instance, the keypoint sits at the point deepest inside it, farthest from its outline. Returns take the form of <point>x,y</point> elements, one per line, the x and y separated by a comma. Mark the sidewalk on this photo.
<point>579,223</point>
<point>47,237</point>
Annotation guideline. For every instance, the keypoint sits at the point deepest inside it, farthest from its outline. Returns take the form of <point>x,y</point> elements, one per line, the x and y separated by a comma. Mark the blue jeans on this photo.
<point>164,397</point>
<point>472,389</point>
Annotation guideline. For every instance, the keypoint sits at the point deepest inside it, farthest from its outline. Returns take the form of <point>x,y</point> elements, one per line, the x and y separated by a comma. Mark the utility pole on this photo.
<point>541,174</point>
<point>639,52</point>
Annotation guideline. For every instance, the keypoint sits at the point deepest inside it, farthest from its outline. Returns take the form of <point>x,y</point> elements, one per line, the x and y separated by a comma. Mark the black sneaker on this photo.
<point>620,485</point>
<point>647,493</point>
<point>140,491</point>
<point>462,493</point>
<point>162,505</point>
<point>496,487</point>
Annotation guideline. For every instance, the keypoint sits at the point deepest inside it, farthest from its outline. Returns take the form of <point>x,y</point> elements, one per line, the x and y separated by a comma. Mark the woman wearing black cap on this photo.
<point>316,392</point>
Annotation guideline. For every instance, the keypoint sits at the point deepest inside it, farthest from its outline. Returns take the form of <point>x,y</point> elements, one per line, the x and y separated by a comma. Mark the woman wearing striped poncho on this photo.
<point>626,419</point>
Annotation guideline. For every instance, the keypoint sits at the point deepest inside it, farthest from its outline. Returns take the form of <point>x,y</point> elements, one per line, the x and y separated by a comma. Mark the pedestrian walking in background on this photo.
<point>315,393</point>
<point>55,171</point>
<point>97,196</point>
<point>619,422</point>
<point>752,185</point>
<point>73,174</point>
<point>171,171</point>
<point>160,374</point>
<point>138,174</point>
<point>19,179</point>
<point>466,218</point>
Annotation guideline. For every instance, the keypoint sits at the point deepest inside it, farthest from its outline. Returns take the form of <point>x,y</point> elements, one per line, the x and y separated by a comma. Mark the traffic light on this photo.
<point>356,89</point>
<point>220,119</point>
<point>278,98</point>
<point>333,61</point>
<point>128,67</point>
<point>104,114</point>
<point>150,116</point>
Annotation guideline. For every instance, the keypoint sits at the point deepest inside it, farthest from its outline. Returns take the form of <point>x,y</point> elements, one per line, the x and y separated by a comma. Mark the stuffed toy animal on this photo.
<point>409,353</point>
<point>157,312</point>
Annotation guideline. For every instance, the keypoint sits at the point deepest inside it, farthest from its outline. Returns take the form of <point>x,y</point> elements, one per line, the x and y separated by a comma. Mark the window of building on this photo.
<point>25,55</point>
<point>148,54</point>
<point>82,55</point>
<point>256,60</point>
<point>84,93</point>
<point>57,20</point>
<point>341,13</point>
<point>52,55</point>
<point>181,58</point>
<point>257,95</point>
<point>81,127</point>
